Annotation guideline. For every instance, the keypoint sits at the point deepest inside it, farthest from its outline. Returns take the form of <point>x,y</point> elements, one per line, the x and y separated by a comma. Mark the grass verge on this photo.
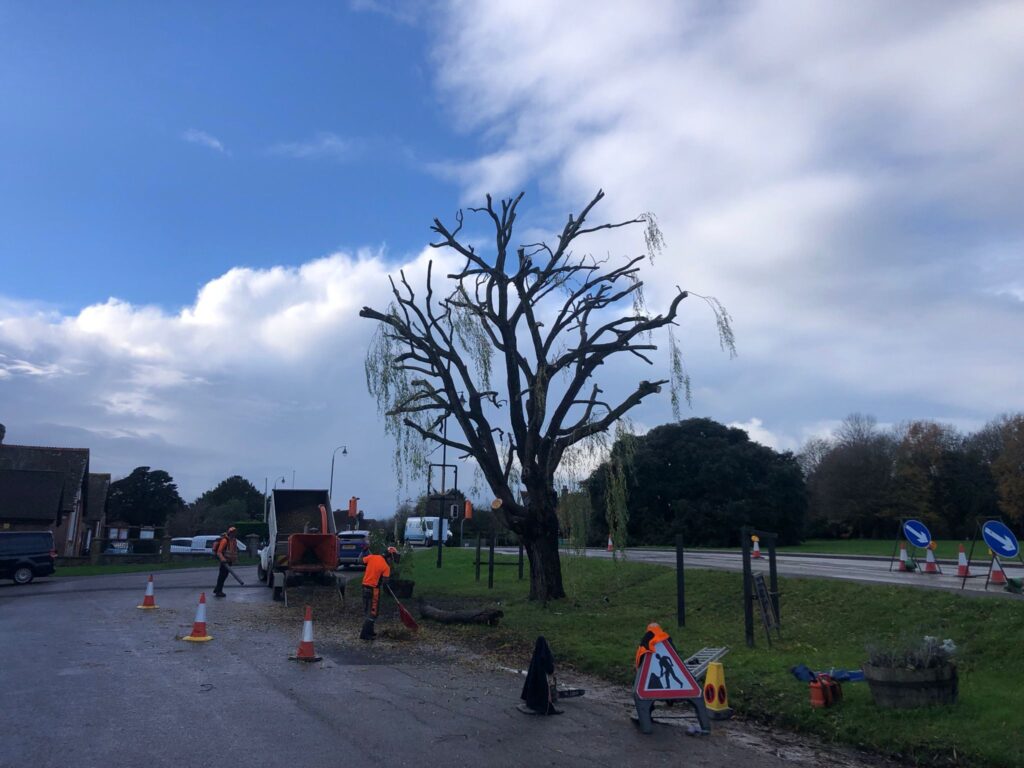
<point>944,548</point>
<point>825,623</point>
<point>100,570</point>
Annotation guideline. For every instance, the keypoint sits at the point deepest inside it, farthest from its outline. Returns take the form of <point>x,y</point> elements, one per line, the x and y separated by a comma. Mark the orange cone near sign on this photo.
<point>610,545</point>
<point>997,576</point>
<point>962,569</point>
<point>903,557</point>
<point>149,601</point>
<point>306,652</point>
<point>199,625</point>
<point>757,546</point>
<point>716,696</point>
<point>930,566</point>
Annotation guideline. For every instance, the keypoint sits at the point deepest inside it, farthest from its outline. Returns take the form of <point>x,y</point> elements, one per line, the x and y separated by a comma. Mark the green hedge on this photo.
<point>249,527</point>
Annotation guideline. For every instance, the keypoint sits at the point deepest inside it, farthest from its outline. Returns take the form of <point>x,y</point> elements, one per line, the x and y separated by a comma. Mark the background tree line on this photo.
<point>697,478</point>
<point>706,480</point>
<point>863,479</point>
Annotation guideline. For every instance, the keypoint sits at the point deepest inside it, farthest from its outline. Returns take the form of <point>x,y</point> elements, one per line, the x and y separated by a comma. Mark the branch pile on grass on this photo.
<point>487,616</point>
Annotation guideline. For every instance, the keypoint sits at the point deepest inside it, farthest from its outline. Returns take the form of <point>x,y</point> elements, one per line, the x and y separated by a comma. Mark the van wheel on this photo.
<point>260,573</point>
<point>23,575</point>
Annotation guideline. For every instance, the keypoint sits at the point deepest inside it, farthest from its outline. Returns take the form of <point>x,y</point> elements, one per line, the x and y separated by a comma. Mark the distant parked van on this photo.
<point>421,530</point>
<point>204,543</point>
<point>26,554</point>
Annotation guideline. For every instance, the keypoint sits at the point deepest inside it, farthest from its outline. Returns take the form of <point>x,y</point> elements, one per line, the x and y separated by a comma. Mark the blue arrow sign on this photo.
<point>917,533</point>
<point>1000,539</point>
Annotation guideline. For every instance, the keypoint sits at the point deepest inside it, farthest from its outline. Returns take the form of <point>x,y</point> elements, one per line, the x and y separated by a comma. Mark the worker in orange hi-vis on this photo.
<point>378,569</point>
<point>226,550</point>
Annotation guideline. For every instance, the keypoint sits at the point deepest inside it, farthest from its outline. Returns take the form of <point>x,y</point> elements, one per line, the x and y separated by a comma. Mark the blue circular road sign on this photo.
<point>1000,539</point>
<point>917,533</point>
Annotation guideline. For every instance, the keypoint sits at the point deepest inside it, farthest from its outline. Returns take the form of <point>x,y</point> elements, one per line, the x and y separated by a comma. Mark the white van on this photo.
<point>420,530</point>
<point>204,544</point>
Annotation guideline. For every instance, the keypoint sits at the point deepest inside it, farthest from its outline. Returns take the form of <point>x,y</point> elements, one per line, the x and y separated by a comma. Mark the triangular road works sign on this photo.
<point>663,675</point>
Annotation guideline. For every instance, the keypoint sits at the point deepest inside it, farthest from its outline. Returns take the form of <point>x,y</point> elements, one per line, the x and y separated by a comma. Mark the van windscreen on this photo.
<point>26,543</point>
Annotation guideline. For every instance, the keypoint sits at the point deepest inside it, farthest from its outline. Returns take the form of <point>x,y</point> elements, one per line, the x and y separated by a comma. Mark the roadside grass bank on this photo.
<point>945,549</point>
<point>825,623</point>
<point>101,570</point>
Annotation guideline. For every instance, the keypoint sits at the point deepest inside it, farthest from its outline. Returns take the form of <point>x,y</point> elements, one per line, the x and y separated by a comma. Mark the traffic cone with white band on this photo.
<point>306,652</point>
<point>611,546</point>
<point>149,601</point>
<point>997,576</point>
<point>962,569</point>
<point>930,566</point>
<point>756,552</point>
<point>199,625</point>
<point>903,557</point>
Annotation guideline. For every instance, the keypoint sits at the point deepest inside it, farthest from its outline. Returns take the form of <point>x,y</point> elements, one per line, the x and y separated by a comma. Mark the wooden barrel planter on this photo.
<point>910,688</point>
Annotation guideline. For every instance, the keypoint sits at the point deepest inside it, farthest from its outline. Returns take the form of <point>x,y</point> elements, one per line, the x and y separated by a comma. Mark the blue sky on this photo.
<point>196,200</point>
<point>309,132</point>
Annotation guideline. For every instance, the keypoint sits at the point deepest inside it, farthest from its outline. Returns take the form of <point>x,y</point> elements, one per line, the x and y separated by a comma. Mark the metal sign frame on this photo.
<point>748,581</point>
<point>979,523</point>
<point>645,705</point>
<point>901,536</point>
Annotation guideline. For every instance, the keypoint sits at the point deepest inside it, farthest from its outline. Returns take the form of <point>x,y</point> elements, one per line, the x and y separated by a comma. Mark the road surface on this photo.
<point>860,569</point>
<point>89,680</point>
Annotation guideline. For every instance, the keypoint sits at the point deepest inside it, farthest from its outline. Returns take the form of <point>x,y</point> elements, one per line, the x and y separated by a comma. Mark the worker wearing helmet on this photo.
<point>226,550</point>
<point>377,570</point>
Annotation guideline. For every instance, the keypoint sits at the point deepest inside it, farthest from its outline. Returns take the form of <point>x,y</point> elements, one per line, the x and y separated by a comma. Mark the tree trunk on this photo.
<point>545,564</point>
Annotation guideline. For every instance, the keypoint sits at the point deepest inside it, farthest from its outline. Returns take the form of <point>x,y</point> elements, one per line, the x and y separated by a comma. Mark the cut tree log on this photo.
<point>488,616</point>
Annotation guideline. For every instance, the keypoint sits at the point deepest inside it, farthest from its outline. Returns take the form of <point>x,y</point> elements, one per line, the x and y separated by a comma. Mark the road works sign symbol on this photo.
<point>917,533</point>
<point>1000,539</point>
<point>663,675</point>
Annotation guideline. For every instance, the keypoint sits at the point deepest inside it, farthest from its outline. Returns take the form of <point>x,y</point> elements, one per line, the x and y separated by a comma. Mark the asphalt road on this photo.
<point>89,680</point>
<point>860,569</point>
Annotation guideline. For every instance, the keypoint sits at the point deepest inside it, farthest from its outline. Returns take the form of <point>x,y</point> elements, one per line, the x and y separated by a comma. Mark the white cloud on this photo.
<point>203,139</point>
<point>845,178</point>
<point>261,374</point>
<point>328,145</point>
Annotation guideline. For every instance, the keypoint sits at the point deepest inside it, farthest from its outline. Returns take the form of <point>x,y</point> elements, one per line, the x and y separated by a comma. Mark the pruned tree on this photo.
<point>552,316</point>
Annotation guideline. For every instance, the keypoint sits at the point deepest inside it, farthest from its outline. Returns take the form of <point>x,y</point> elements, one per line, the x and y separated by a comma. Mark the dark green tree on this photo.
<point>248,499</point>
<point>145,497</point>
<point>705,480</point>
<point>850,485</point>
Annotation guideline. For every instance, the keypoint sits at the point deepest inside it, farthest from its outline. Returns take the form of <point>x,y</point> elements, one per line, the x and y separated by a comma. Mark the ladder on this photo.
<point>698,663</point>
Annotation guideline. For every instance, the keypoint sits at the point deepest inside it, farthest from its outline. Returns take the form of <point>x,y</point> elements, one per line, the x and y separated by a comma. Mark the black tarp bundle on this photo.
<point>537,690</point>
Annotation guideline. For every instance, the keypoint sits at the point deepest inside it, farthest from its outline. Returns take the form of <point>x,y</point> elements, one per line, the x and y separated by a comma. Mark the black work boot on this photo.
<point>367,633</point>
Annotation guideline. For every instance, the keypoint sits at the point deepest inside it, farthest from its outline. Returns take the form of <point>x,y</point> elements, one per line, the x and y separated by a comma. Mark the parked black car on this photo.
<point>26,554</point>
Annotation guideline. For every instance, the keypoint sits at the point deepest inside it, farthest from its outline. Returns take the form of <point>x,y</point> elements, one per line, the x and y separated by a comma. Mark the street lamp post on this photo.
<point>282,479</point>
<point>344,452</point>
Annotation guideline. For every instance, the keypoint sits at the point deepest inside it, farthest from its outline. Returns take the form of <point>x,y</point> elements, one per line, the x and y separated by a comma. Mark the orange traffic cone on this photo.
<point>611,546</point>
<point>903,557</point>
<point>962,569</point>
<point>199,625</point>
<point>997,576</point>
<point>757,546</point>
<point>930,566</point>
<point>306,652</point>
<point>149,601</point>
